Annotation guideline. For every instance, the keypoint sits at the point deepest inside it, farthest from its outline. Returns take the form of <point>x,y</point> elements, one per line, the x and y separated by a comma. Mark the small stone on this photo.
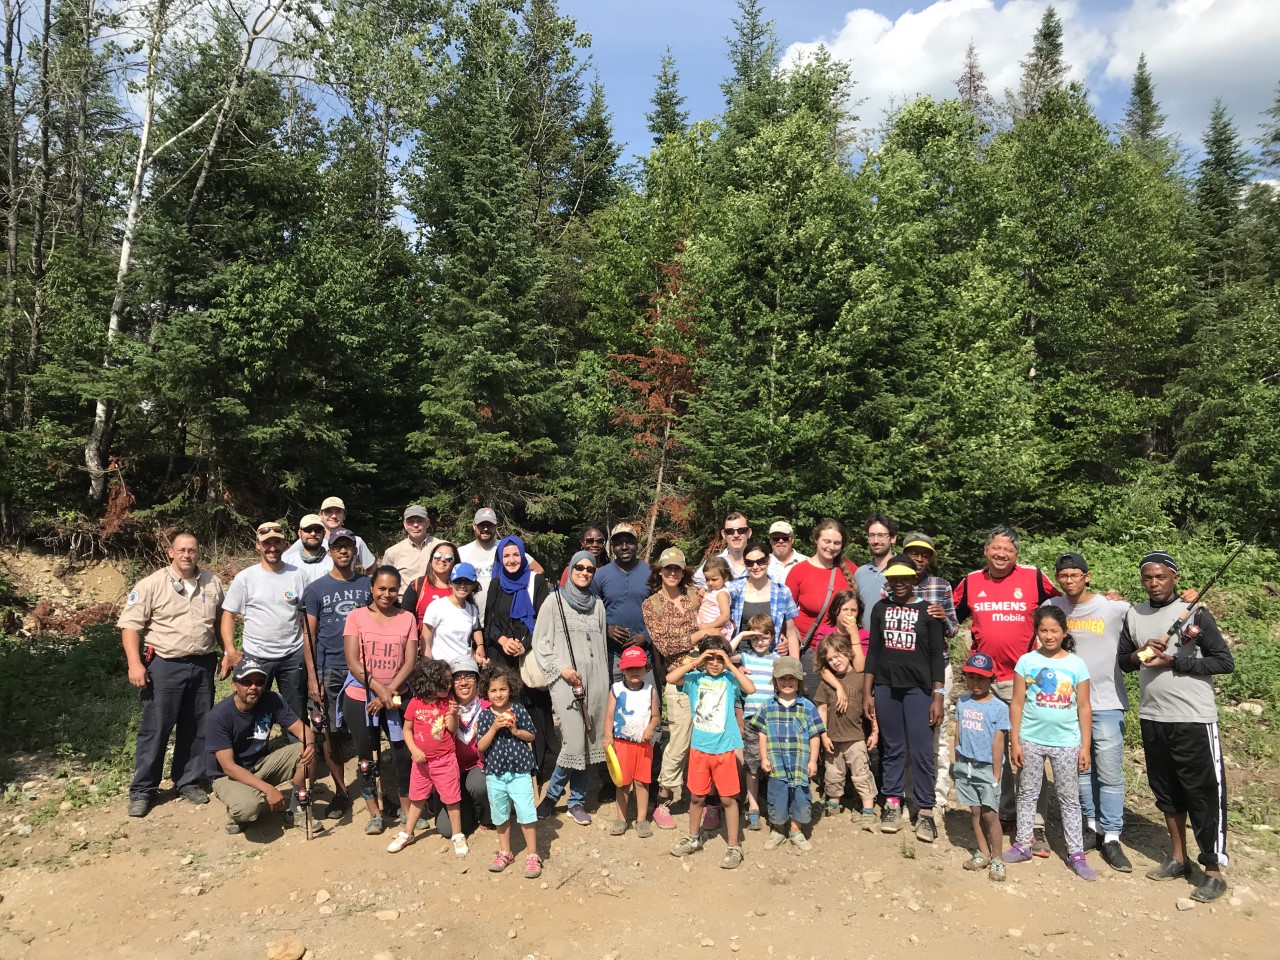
<point>734,948</point>
<point>1015,932</point>
<point>1051,948</point>
<point>1031,950</point>
<point>322,896</point>
<point>192,891</point>
<point>707,942</point>
<point>388,914</point>
<point>23,830</point>
<point>327,910</point>
<point>1236,902</point>
<point>290,948</point>
<point>187,861</point>
<point>64,806</point>
<point>1185,903</point>
<point>604,873</point>
<point>511,934</point>
<point>913,938</point>
<point>871,878</point>
<point>384,955</point>
<point>191,935</point>
<point>913,906</point>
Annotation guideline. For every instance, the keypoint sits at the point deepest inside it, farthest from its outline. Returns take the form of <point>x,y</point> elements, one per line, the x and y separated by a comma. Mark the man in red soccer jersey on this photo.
<point>1002,598</point>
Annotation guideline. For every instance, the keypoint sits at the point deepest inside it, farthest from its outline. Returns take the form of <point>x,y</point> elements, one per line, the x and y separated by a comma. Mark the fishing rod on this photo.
<point>370,769</point>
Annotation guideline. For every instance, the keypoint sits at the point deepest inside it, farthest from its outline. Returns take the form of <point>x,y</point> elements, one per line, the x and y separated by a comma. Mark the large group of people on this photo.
<point>752,688</point>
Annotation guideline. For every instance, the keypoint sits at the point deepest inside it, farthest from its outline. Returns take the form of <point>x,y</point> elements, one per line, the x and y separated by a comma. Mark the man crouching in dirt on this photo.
<point>245,775</point>
<point>177,609</point>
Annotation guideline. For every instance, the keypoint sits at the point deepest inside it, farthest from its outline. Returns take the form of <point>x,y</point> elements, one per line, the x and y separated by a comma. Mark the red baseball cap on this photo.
<point>633,657</point>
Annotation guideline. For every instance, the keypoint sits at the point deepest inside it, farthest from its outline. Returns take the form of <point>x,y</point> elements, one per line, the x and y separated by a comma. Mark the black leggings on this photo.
<point>538,703</point>
<point>362,733</point>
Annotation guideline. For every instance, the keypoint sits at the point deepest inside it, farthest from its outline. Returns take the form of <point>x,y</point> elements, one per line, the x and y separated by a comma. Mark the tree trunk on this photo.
<point>652,523</point>
<point>38,227</point>
<point>13,130</point>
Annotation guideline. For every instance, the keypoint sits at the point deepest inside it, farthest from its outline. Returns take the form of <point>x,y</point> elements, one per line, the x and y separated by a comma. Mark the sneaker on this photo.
<point>644,829</point>
<point>733,859</point>
<point>501,860</point>
<point>775,840</point>
<point>1171,869</point>
<point>996,872</point>
<point>233,828</point>
<point>831,808</point>
<point>926,829</point>
<point>800,841</point>
<point>401,841</point>
<point>1018,853</point>
<point>1092,839</point>
<point>139,806</point>
<point>618,828</point>
<point>1113,856</point>
<point>753,820</point>
<point>546,808</point>
<point>533,867</point>
<point>686,846</point>
<point>867,818</point>
<point>1210,890</point>
<point>1039,843</point>
<point>891,817</point>
<point>710,818</point>
<point>662,818</point>
<point>1080,867</point>
<point>374,826</point>
<point>460,845</point>
<point>288,820</point>
<point>580,815</point>
<point>977,861</point>
<point>194,795</point>
<point>337,808</point>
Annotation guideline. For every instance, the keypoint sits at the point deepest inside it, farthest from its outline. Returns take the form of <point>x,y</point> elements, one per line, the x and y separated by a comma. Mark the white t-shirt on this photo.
<point>483,559</point>
<point>451,628</point>
<point>364,556</point>
<point>271,604</point>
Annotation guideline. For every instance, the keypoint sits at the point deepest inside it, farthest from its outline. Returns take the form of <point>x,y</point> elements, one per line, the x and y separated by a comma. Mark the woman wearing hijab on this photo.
<point>569,642</point>
<point>511,605</point>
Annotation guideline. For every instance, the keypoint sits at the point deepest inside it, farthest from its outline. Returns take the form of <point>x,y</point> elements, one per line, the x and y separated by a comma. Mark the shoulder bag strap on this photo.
<point>813,627</point>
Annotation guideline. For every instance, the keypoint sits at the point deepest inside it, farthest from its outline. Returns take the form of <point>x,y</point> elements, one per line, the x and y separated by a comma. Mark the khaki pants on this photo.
<point>1008,783</point>
<point>244,803</point>
<point>852,757</point>
<point>676,749</point>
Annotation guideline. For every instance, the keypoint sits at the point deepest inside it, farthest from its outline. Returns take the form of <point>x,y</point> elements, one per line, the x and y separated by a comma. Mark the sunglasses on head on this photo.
<point>584,568</point>
<point>736,531</point>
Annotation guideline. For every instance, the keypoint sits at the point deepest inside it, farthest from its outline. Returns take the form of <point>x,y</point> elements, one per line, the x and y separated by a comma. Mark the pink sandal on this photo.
<point>533,866</point>
<point>501,860</point>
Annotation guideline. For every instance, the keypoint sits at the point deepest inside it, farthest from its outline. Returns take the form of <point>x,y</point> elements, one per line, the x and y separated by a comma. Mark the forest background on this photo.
<point>261,253</point>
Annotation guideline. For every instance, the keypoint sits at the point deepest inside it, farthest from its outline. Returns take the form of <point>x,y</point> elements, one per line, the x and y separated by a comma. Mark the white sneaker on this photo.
<point>401,841</point>
<point>460,845</point>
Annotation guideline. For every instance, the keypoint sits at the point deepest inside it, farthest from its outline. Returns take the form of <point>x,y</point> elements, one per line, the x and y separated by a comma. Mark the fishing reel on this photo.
<point>367,770</point>
<point>316,717</point>
<point>303,796</point>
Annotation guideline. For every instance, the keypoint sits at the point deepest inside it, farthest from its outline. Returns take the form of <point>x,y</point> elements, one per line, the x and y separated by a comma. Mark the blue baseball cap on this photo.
<point>463,571</point>
<point>981,664</point>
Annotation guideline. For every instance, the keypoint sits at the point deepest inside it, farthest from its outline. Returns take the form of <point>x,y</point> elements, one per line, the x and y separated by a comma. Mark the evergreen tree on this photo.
<point>753,90</point>
<point>1044,69</point>
<point>1143,121</point>
<point>668,115</point>
<point>593,174</point>
<point>1219,188</point>
<point>1269,141</point>
<point>972,86</point>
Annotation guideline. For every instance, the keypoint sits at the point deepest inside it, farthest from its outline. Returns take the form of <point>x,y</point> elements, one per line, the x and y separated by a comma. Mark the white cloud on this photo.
<point>1196,49</point>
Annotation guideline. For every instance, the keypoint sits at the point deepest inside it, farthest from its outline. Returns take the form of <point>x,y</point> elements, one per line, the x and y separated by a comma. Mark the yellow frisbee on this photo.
<point>615,768</point>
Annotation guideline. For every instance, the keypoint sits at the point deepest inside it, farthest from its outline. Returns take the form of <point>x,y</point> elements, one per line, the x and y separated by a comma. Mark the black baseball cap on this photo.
<point>1071,561</point>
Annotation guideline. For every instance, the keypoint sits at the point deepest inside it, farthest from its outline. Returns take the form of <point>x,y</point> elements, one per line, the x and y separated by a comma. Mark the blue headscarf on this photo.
<point>516,586</point>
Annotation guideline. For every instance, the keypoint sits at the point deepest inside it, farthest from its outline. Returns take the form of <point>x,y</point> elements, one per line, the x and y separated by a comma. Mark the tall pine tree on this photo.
<point>1044,69</point>
<point>668,116</point>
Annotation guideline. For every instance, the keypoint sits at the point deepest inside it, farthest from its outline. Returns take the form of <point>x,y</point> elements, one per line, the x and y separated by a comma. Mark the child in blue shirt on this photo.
<point>982,722</point>
<point>1051,720</point>
<point>712,684</point>
<point>756,649</point>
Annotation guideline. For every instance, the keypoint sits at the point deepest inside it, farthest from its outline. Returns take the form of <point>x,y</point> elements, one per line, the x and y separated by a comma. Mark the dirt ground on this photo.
<point>93,883</point>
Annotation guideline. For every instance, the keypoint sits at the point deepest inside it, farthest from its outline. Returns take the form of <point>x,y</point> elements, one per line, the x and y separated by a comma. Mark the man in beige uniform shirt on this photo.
<point>177,609</point>
<point>412,555</point>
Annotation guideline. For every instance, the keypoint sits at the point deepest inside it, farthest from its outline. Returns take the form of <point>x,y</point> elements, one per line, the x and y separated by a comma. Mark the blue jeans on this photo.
<point>1102,785</point>
<point>576,780</point>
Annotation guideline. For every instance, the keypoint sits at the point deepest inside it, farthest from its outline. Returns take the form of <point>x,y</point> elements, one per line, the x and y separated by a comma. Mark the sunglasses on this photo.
<point>736,531</point>
<point>270,528</point>
<point>673,571</point>
<point>464,585</point>
<point>313,529</point>
<point>444,556</point>
<point>780,537</point>
<point>596,540</point>
<point>253,682</point>
<point>758,562</point>
<point>583,568</point>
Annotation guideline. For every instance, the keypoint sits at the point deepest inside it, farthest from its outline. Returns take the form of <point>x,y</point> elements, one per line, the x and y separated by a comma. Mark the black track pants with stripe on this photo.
<point>1187,775</point>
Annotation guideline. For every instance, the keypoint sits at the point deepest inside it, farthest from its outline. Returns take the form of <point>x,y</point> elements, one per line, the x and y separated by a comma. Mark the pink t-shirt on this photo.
<point>709,611</point>
<point>384,645</point>
<point>431,733</point>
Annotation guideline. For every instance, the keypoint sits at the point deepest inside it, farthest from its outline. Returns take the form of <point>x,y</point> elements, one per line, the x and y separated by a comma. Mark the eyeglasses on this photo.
<point>757,562</point>
<point>879,536</point>
<point>583,568</point>
<point>736,531</point>
<point>444,556</point>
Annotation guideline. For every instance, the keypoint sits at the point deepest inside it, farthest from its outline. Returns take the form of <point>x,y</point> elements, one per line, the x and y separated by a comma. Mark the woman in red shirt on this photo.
<point>814,583</point>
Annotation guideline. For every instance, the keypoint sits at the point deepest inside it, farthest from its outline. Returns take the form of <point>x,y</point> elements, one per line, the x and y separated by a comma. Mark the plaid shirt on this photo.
<point>787,732</point>
<point>782,607</point>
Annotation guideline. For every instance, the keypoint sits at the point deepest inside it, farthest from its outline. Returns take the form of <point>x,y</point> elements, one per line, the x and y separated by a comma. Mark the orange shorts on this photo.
<point>636,761</point>
<point>718,768</point>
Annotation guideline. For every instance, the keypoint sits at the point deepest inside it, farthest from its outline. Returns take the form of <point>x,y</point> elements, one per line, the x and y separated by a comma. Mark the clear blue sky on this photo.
<point>1197,49</point>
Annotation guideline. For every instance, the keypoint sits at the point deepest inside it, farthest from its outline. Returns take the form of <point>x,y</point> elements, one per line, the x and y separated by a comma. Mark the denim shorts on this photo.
<point>975,783</point>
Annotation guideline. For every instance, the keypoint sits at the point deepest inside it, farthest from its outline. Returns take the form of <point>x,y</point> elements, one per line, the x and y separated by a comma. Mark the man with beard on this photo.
<point>482,553</point>
<point>882,539</point>
<point>623,586</point>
